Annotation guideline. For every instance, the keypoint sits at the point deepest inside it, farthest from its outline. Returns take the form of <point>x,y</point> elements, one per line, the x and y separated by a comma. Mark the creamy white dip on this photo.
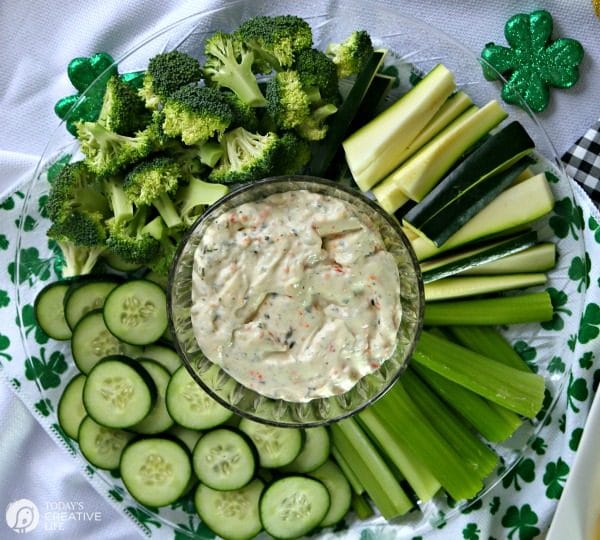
<point>295,296</point>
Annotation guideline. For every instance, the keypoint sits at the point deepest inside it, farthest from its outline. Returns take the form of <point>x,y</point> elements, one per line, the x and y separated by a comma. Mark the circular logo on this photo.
<point>22,516</point>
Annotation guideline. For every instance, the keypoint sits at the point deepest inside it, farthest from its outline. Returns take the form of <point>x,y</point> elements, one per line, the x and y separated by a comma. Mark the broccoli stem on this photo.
<point>78,260</point>
<point>121,205</point>
<point>167,211</point>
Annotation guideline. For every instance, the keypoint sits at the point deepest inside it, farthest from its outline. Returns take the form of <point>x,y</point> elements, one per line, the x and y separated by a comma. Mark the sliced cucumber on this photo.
<point>324,153</point>
<point>49,312</point>
<point>538,258</point>
<point>136,312</point>
<point>373,151</point>
<point>418,175</point>
<point>189,437</point>
<point>461,286</point>
<point>293,506</point>
<point>233,515</point>
<point>224,460</point>
<point>471,259</point>
<point>158,419</point>
<point>315,451</point>
<point>472,184</point>
<point>340,493</point>
<point>117,263</point>
<point>70,406</point>
<point>156,471</point>
<point>518,205</point>
<point>85,295</point>
<point>91,341</point>
<point>276,446</point>
<point>102,446</point>
<point>118,392</point>
<point>190,406</point>
<point>164,355</point>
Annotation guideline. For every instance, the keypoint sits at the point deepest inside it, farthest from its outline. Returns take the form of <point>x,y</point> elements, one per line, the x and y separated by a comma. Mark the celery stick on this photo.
<point>361,506</point>
<point>515,390</point>
<point>420,478</point>
<point>477,455</point>
<point>489,342</point>
<point>357,487</point>
<point>405,422</point>
<point>530,307</point>
<point>486,417</point>
<point>360,454</point>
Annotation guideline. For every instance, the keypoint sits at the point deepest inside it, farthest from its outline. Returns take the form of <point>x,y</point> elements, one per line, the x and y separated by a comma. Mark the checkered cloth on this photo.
<point>582,162</point>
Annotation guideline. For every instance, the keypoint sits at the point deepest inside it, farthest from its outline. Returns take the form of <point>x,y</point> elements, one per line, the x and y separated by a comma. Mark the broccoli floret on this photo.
<point>247,156</point>
<point>123,110</point>
<point>107,152</point>
<point>151,183</point>
<point>192,198</point>
<point>243,114</point>
<point>287,102</point>
<point>75,189</point>
<point>167,73</point>
<point>314,127</point>
<point>161,265</point>
<point>229,65</point>
<point>131,240</point>
<point>292,105</point>
<point>316,69</point>
<point>351,54</point>
<point>82,239</point>
<point>196,114</point>
<point>293,154</point>
<point>277,39</point>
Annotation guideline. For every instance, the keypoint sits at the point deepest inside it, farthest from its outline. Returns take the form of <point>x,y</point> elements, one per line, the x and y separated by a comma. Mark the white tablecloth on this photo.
<point>37,40</point>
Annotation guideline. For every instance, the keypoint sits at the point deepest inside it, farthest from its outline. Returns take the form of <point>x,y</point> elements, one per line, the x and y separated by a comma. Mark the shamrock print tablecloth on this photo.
<point>520,506</point>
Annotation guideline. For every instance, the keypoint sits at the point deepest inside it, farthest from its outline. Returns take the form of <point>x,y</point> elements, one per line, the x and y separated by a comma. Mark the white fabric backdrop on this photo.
<point>37,40</point>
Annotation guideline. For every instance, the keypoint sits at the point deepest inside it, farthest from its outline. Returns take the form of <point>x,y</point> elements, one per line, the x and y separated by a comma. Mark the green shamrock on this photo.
<point>28,323</point>
<point>587,360</point>
<point>588,327</point>
<point>85,105</point>
<point>555,477</point>
<point>494,505</point>
<point>30,267</point>
<point>575,439</point>
<point>580,271</point>
<point>533,63</point>
<point>4,299</point>
<point>3,242</point>
<point>556,365</point>
<point>144,518</point>
<point>545,406</point>
<point>4,344</point>
<point>572,341</point>
<point>46,373</point>
<point>471,532</point>
<point>521,520</point>
<point>524,469</point>
<point>558,299</point>
<point>185,503</point>
<point>472,506</point>
<point>567,218</point>
<point>562,423</point>
<point>527,353</point>
<point>595,228</point>
<point>44,407</point>
<point>577,390</point>
<point>539,446</point>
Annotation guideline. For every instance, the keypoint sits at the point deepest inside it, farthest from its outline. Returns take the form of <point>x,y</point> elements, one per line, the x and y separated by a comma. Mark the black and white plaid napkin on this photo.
<point>582,162</point>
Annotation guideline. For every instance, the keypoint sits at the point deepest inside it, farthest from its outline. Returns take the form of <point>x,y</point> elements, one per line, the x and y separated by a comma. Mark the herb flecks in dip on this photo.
<point>295,296</point>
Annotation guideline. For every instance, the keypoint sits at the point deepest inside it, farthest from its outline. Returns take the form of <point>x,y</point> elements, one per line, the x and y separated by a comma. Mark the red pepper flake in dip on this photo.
<point>305,307</point>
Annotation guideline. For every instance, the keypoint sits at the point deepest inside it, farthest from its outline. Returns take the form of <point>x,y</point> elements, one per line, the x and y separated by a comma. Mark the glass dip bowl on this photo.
<point>251,404</point>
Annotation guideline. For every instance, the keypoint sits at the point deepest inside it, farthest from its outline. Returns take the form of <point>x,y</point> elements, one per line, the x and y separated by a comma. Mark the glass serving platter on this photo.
<point>415,47</point>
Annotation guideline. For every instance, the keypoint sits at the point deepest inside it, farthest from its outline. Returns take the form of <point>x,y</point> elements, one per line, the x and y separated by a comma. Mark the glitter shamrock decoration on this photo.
<point>533,63</point>
<point>82,71</point>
